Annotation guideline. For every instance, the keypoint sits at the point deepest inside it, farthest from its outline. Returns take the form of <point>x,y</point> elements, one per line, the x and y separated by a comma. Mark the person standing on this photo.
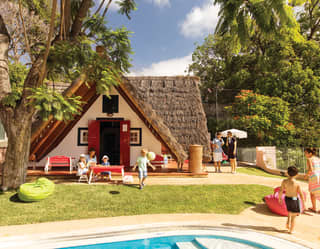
<point>217,151</point>
<point>313,167</point>
<point>292,190</point>
<point>232,151</point>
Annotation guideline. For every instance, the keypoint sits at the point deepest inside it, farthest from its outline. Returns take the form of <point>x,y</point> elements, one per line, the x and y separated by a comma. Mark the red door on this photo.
<point>125,143</point>
<point>94,136</point>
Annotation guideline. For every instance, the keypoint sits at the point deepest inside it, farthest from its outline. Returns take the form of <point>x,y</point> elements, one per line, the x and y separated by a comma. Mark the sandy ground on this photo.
<point>257,218</point>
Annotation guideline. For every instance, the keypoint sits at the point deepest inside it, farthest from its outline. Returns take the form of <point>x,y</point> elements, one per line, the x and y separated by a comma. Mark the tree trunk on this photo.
<point>81,14</point>
<point>17,124</point>
<point>5,87</point>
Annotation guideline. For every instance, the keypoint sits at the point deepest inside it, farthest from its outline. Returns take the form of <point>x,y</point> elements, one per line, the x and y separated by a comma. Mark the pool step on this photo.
<point>219,244</point>
<point>186,245</point>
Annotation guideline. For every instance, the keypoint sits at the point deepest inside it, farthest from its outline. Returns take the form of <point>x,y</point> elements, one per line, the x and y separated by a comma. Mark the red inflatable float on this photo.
<point>274,205</point>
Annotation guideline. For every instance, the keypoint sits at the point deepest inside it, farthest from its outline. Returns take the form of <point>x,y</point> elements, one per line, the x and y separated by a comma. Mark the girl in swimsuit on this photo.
<point>313,167</point>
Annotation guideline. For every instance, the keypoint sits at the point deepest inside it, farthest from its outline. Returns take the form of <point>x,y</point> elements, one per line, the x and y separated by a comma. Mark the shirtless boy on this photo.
<point>292,189</point>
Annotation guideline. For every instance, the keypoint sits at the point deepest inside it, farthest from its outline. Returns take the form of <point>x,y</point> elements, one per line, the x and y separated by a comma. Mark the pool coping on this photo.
<point>133,232</point>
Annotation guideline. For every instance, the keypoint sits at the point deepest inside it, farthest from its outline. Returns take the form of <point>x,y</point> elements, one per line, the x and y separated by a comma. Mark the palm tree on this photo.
<point>242,17</point>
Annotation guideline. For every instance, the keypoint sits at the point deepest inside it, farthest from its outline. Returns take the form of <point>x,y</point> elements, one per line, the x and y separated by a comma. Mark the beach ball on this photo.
<point>151,155</point>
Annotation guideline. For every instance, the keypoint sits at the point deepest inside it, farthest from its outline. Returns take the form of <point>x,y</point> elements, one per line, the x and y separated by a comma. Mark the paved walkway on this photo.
<point>257,218</point>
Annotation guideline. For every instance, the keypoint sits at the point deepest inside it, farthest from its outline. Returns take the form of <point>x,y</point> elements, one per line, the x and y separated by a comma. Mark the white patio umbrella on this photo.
<point>238,133</point>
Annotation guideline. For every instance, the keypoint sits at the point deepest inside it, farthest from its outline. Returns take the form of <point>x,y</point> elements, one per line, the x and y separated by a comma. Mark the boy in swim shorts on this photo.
<point>292,189</point>
<point>142,163</point>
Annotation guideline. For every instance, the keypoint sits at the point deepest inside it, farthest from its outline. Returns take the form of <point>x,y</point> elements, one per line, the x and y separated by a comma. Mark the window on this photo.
<point>82,136</point>
<point>110,105</point>
<point>135,137</point>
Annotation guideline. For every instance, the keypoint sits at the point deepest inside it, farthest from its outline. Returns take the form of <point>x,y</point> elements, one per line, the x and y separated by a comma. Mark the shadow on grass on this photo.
<point>136,186</point>
<point>114,192</point>
<point>15,198</point>
<point>250,203</point>
<point>262,208</point>
<point>257,228</point>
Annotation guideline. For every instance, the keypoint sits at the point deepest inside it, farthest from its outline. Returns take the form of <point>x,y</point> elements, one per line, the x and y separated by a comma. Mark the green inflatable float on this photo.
<point>36,191</point>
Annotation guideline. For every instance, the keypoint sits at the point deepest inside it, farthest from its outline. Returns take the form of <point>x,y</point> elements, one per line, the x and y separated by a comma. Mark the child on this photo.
<point>82,165</point>
<point>292,189</point>
<point>105,162</point>
<point>142,162</point>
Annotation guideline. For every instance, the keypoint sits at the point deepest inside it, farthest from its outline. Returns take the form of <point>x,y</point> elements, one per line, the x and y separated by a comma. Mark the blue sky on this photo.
<point>165,32</point>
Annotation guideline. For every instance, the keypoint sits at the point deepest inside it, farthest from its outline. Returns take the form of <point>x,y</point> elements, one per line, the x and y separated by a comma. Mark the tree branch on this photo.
<point>83,10</point>
<point>313,29</point>
<point>46,53</point>
<point>25,32</point>
<point>67,17</point>
<point>62,23</point>
<point>106,9</point>
<point>5,87</point>
<point>100,6</point>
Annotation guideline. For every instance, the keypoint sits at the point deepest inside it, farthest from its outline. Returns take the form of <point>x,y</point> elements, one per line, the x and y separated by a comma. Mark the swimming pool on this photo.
<point>178,242</point>
<point>206,238</point>
<point>156,235</point>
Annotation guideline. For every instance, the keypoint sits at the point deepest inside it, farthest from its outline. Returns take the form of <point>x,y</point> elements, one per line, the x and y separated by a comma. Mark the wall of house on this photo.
<point>69,145</point>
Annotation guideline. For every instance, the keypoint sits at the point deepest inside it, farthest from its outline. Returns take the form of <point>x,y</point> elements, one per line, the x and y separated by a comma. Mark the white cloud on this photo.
<point>200,21</point>
<point>114,6</point>
<point>171,67</point>
<point>160,3</point>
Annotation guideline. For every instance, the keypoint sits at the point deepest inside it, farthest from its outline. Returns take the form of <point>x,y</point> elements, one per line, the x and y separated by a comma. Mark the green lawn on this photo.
<point>91,201</point>
<point>257,172</point>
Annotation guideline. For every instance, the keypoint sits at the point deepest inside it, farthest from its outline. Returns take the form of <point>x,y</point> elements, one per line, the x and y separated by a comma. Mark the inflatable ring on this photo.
<point>274,205</point>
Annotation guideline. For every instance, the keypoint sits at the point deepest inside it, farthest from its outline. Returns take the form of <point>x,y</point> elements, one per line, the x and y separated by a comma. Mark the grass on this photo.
<point>257,172</point>
<point>92,201</point>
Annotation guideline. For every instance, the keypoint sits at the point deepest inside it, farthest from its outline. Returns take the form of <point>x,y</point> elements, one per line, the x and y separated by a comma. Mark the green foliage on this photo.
<point>49,102</point>
<point>39,7</point>
<point>266,118</point>
<point>279,68</point>
<point>309,19</point>
<point>126,7</point>
<point>241,18</point>
<point>17,73</point>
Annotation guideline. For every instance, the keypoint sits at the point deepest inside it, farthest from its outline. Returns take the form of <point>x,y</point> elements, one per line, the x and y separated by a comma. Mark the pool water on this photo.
<point>177,242</point>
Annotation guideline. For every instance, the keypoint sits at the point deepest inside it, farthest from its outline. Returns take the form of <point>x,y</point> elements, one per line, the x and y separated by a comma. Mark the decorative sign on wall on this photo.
<point>135,137</point>
<point>82,136</point>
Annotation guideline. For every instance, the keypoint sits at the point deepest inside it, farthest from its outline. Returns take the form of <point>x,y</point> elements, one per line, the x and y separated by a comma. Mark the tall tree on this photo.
<point>68,52</point>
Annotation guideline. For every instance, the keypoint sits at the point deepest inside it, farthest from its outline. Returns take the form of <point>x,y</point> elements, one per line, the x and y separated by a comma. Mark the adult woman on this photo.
<point>217,143</point>
<point>232,150</point>
<point>313,167</point>
<point>91,158</point>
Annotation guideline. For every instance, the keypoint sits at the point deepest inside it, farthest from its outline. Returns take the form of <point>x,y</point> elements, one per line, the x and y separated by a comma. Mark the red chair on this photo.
<point>58,161</point>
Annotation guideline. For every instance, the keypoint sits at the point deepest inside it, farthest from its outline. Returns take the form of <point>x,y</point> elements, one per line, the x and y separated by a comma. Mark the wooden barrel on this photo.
<point>195,161</point>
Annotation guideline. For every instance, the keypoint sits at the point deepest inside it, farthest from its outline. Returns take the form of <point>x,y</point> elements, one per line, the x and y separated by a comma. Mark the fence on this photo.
<point>291,157</point>
<point>285,157</point>
<point>246,154</point>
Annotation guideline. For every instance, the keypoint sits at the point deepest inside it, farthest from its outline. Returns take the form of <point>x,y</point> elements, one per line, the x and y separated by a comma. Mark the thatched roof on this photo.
<point>174,105</point>
<point>170,107</point>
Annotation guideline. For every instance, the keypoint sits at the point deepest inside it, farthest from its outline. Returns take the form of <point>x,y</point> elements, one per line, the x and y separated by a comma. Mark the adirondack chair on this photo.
<point>58,161</point>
